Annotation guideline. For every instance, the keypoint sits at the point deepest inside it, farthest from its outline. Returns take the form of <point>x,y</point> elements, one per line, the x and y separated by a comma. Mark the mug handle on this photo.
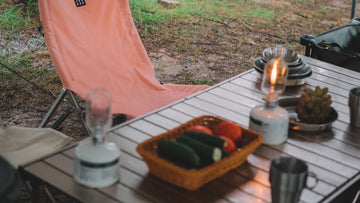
<point>311,174</point>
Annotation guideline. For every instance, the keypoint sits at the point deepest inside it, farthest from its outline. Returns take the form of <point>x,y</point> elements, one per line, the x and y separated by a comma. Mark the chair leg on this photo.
<point>53,108</point>
<point>34,186</point>
<point>2,124</point>
<point>357,197</point>
<point>49,194</point>
<point>79,111</point>
<point>117,118</point>
<point>307,50</point>
<point>74,108</point>
<point>61,119</point>
<point>353,9</point>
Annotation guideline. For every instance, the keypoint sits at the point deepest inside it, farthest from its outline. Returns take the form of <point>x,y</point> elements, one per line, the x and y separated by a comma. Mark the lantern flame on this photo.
<point>283,71</point>
<point>273,74</point>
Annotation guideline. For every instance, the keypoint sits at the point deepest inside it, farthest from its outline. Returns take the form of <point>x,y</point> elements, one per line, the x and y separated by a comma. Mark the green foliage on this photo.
<point>11,20</point>
<point>186,77</point>
<point>202,82</point>
<point>19,65</point>
<point>22,65</point>
<point>150,11</point>
<point>324,10</point>
<point>17,17</point>
<point>260,13</point>
<point>301,1</point>
<point>146,11</point>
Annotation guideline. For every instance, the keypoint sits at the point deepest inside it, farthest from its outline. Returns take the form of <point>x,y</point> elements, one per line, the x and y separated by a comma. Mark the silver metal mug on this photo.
<point>288,176</point>
<point>354,105</point>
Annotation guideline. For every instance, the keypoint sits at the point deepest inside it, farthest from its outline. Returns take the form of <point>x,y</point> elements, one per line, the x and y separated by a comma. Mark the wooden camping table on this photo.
<point>334,155</point>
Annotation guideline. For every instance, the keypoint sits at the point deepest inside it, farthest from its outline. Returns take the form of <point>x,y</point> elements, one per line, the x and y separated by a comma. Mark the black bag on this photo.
<point>339,46</point>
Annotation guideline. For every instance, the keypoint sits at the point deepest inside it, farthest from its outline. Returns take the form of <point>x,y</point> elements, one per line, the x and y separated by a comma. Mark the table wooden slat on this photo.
<point>174,115</point>
<point>131,133</point>
<point>347,158</point>
<point>348,137</point>
<point>333,81</point>
<point>233,194</point>
<point>225,113</point>
<point>195,112</point>
<point>335,75</point>
<point>333,141</point>
<point>224,102</point>
<point>327,67</point>
<point>147,127</point>
<point>160,120</point>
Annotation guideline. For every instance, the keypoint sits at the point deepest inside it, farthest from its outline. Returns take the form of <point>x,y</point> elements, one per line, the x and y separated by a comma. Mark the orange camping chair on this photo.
<point>95,44</point>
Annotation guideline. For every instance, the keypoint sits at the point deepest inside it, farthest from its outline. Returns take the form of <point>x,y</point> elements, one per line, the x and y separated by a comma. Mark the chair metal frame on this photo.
<point>2,124</point>
<point>353,9</point>
<point>74,107</point>
<point>357,196</point>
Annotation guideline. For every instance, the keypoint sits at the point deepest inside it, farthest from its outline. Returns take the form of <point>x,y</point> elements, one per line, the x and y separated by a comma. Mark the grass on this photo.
<point>145,12</point>
<point>149,11</point>
<point>21,64</point>
<point>186,77</point>
<point>17,17</point>
<point>324,10</point>
<point>259,12</point>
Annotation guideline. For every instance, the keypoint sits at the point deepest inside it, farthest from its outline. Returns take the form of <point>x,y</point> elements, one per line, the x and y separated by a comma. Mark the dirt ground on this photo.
<point>206,50</point>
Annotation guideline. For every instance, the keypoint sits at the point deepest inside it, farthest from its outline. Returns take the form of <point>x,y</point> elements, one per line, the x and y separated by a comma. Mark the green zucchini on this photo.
<point>208,154</point>
<point>213,140</point>
<point>178,154</point>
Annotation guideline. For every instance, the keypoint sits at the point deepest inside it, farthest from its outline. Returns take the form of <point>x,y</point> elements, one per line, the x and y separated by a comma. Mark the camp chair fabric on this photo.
<point>97,46</point>
<point>21,145</point>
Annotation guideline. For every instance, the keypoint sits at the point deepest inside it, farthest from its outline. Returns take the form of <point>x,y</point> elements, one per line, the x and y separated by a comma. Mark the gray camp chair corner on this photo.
<point>18,156</point>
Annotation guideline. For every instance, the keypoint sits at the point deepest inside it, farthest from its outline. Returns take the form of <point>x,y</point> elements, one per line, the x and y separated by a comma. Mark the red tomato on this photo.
<point>200,128</point>
<point>230,146</point>
<point>229,129</point>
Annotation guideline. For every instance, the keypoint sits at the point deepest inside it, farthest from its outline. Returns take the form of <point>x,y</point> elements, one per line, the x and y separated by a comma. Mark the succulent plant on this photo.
<point>314,106</point>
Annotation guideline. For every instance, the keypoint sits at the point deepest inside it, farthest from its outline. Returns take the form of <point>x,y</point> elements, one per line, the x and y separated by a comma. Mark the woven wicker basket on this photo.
<point>194,179</point>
